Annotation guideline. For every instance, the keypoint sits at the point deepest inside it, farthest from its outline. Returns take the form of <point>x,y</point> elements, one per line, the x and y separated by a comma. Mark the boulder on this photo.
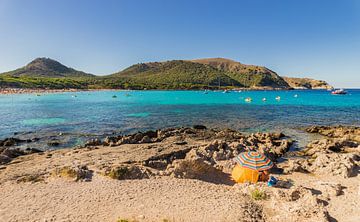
<point>335,164</point>
<point>199,127</point>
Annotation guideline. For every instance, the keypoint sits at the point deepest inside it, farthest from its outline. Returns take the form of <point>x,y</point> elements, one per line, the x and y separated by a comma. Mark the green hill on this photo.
<point>176,74</point>
<point>247,75</point>
<point>45,67</point>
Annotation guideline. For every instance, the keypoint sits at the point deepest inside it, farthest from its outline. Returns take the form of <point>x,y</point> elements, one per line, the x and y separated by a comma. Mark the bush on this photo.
<point>257,194</point>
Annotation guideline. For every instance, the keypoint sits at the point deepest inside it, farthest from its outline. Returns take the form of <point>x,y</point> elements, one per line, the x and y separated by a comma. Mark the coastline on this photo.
<point>10,91</point>
<point>143,177</point>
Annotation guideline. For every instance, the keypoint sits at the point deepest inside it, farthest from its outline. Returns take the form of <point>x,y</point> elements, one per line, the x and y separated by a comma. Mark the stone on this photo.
<point>4,159</point>
<point>199,127</point>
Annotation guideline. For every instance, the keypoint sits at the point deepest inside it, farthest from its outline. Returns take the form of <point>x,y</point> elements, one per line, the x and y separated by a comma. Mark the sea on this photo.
<point>71,118</point>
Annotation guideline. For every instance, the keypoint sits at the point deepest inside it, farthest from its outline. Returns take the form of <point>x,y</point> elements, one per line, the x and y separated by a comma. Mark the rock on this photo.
<point>299,204</point>
<point>12,153</point>
<point>53,143</point>
<point>93,142</point>
<point>151,134</point>
<point>180,143</point>
<point>197,169</point>
<point>33,150</point>
<point>296,165</point>
<point>199,127</point>
<point>4,159</point>
<point>110,140</point>
<point>350,132</point>
<point>145,139</point>
<point>11,141</point>
<point>335,164</point>
<point>329,189</point>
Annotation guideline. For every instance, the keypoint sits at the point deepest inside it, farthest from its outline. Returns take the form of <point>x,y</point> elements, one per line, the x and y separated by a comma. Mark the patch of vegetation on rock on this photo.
<point>76,173</point>
<point>127,172</point>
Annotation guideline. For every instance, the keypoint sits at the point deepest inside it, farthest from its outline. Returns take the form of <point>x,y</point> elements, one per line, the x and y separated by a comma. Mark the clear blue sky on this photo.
<point>315,38</point>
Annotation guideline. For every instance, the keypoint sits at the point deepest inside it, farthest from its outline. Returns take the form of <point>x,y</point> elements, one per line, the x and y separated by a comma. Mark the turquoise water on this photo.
<point>89,114</point>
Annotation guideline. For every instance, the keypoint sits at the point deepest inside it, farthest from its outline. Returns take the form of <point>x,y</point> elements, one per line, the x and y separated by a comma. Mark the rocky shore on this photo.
<point>182,174</point>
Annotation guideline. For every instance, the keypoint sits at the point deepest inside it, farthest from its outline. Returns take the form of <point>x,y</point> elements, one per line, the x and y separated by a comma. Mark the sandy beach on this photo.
<point>182,175</point>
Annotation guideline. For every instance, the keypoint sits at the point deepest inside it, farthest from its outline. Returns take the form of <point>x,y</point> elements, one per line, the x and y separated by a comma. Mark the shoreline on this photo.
<point>10,91</point>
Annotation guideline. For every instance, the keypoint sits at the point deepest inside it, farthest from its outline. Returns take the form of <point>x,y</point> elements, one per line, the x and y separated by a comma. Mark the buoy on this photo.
<point>248,100</point>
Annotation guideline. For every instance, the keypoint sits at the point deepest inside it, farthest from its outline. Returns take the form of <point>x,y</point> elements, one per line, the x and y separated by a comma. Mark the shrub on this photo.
<point>257,194</point>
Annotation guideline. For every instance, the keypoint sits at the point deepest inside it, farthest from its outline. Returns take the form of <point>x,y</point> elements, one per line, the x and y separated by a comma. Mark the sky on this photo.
<point>308,38</point>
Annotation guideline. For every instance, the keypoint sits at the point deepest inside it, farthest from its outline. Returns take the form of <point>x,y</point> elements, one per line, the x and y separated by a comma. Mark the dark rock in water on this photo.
<point>33,150</point>
<point>10,141</point>
<point>151,134</point>
<point>145,139</point>
<point>53,143</point>
<point>4,159</point>
<point>12,153</point>
<point>35,139</point>
<point>350,132</point>
<point>199,127</point>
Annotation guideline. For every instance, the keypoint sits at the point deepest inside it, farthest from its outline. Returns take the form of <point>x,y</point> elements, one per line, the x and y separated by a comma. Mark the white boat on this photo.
<point>278,98</point>
<point>339,92</point>
<point>264,99</point>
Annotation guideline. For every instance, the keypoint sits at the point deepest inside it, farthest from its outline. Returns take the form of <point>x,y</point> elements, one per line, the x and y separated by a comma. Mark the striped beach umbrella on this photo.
<point>254,160</point>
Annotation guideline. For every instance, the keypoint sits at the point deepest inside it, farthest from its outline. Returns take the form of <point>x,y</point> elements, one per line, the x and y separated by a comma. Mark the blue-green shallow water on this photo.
<point>89,114</point>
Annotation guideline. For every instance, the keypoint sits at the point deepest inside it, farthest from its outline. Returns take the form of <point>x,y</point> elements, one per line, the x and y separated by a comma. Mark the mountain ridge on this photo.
<point>173,74</point>
<point>46,67</point>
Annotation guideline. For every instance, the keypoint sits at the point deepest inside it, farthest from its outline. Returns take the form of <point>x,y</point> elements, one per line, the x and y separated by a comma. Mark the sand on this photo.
<point>32,189</point>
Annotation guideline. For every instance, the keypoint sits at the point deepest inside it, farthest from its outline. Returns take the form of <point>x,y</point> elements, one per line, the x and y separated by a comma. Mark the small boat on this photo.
<point>226,91</point>
<point>278,98</point>
<point>264,99</point>
<point>296,95</point>
<point>74,96</point>
<point>339,92</point>
<point>248,99</point>
<point>114,96</point>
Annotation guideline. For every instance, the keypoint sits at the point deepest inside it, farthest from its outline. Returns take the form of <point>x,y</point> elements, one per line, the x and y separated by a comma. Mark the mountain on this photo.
<point>46,73</point>
<point>307,83</point>
<point>247,75</point>
<point>176,74</point>
<point>46,67</point>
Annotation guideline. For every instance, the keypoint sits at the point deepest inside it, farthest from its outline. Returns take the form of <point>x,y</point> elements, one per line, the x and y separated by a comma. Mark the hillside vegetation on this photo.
<point>247,75</point>
<point>306,83</point>
<point>213,73</point>
<point>176,74</point>
<point>45,67</point>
